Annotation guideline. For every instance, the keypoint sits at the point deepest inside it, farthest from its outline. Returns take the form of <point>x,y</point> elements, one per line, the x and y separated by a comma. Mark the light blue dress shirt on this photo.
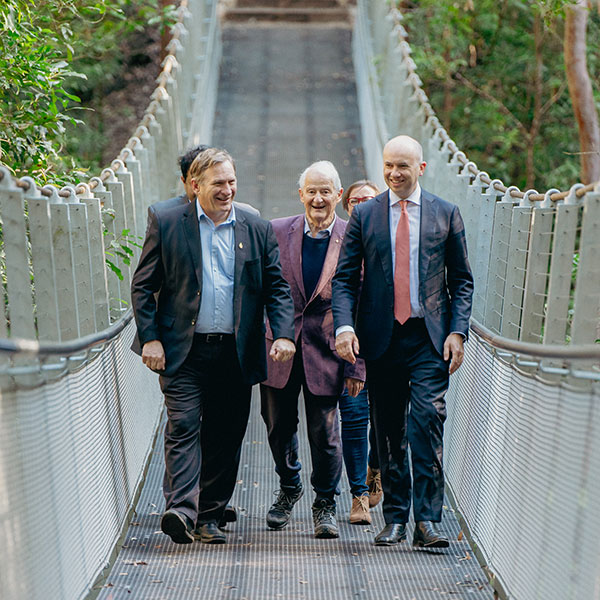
<point>218,270</point>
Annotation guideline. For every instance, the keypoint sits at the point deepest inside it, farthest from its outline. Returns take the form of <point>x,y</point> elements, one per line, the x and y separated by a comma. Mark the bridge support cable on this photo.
<point>523,428</point>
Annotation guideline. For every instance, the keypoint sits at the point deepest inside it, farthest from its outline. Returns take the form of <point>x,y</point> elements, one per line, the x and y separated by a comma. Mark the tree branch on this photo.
<point>501,106</point>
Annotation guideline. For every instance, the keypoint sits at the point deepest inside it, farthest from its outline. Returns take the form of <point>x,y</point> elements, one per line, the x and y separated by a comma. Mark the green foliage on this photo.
<point>494,73</point>
<point>53,53</point>
<point>119,251</point>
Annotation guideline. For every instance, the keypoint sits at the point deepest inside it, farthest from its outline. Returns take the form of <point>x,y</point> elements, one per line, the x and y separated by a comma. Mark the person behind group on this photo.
<point>358,444</point>
<point>205,277</point>
<point>310,244</point>
<point>411,315</point>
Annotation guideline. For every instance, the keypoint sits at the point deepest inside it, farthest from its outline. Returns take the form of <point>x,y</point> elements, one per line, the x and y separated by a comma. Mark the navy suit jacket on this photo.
<point>445,279</point>
<point>171,264</point>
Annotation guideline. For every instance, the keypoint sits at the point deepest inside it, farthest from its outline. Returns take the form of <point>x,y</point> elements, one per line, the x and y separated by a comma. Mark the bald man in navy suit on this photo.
<point>409,324</point>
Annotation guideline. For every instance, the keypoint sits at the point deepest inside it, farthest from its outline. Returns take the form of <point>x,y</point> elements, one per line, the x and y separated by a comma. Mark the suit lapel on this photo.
<point>296,233</point>
<point>381,230</point>
<point>241,242</point>
<point>192,235</point>
<point>428,221</point>
<point>331,258</point>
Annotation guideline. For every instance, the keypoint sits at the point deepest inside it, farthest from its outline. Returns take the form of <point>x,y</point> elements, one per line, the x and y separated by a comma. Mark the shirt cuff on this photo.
<point>343,329</point>
<point>464,337</point>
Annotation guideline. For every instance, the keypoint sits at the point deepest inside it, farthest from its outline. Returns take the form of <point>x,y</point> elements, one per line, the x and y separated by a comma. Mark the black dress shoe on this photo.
<point>392,533</point>
<point>209,533</point>
<point>177,526</point>
<point>229,516</point>
<point>427,536</point>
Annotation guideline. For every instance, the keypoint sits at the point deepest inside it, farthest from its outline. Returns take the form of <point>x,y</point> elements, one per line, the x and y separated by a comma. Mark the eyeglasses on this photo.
<point>354,201</point>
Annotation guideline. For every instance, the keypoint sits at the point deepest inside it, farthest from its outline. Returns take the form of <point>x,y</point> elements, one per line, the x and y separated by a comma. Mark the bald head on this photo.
<point>403,165</point>
<point>406,144</point>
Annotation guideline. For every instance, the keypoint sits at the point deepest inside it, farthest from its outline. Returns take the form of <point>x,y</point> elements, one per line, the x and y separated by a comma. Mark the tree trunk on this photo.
<point>580,89</point>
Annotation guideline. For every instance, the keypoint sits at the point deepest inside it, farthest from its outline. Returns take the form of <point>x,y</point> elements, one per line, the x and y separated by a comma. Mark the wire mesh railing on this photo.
<point>522,432</point>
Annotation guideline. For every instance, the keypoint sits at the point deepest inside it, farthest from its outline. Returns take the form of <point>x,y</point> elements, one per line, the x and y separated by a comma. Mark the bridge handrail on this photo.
<point>579,352</point>
<point>36,348</point>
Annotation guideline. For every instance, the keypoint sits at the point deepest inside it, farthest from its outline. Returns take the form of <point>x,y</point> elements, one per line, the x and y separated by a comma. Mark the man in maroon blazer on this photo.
<point>309,248</point>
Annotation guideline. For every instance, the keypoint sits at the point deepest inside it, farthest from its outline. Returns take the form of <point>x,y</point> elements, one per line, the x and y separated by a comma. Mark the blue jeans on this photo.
<point>356,440</point>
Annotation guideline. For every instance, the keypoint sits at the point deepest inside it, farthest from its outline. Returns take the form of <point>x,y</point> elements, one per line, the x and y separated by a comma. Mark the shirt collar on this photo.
<point>201,213</point>
<point>324,232</point>
<point>414,197</point>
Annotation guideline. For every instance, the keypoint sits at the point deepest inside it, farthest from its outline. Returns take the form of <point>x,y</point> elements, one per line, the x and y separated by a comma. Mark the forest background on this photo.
<point>76,77</point>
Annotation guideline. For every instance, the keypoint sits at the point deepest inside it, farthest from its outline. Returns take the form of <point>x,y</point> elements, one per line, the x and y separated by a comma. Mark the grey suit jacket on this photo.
<point>445,279</point>
<point>171,262</point>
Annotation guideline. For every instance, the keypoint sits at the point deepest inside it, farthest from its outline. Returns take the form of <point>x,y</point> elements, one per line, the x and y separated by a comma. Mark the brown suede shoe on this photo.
<point>374,484</point>
<point>359,514</point>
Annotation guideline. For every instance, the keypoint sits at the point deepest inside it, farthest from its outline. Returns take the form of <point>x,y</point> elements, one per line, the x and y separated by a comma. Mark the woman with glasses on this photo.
<point>365,480</point>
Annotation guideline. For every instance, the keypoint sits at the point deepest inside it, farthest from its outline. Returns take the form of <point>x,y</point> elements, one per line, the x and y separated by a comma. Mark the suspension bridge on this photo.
<point>280,84</point>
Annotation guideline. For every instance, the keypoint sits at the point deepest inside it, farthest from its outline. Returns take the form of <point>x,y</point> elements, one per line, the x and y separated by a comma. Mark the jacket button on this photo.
<point>198,293</point>
<point>193,321</point>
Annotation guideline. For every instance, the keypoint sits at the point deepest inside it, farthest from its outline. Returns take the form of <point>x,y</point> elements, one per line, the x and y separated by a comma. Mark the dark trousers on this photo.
<point>416,418</point>
<point>207,409</point>
<point>279,410</point>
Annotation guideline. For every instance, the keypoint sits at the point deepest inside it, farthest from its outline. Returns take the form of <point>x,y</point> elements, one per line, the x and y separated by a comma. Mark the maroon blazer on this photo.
<point>313,320</point>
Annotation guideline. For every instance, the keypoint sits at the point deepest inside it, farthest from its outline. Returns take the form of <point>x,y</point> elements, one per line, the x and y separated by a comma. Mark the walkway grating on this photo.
<point>259,564</point>
<point>287,97</point>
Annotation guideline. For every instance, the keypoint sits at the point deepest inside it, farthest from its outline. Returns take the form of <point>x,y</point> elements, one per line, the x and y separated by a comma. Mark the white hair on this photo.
<point>325,168</point>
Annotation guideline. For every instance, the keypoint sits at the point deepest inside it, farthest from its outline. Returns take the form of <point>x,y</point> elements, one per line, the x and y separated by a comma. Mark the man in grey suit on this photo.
<point>215,269</point>
<point>409,318</point>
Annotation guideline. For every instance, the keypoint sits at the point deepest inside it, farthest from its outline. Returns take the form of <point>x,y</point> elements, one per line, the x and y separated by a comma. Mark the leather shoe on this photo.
<point>229,516</point>
<point>427,536</point>
<point>392,533</point>
<point>177,526</point>
<point>209,533</point>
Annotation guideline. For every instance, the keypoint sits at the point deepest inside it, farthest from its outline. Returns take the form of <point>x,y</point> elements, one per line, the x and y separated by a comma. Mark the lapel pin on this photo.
<point>241,245</point>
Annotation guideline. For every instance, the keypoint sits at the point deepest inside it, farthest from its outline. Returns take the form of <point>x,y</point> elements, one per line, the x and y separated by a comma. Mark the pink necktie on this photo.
<point>402,268</point>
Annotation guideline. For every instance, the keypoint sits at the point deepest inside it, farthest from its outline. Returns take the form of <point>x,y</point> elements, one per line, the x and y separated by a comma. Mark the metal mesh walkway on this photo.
<point>287,97</point>
<point>260,564</point>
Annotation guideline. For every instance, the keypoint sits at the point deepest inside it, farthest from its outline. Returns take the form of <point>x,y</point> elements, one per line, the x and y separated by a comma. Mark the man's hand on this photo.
<point>282,350</point>
<point>153,355</point>
<point>453,347</point>
<point>354,386</point>
<point>346,345</point>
